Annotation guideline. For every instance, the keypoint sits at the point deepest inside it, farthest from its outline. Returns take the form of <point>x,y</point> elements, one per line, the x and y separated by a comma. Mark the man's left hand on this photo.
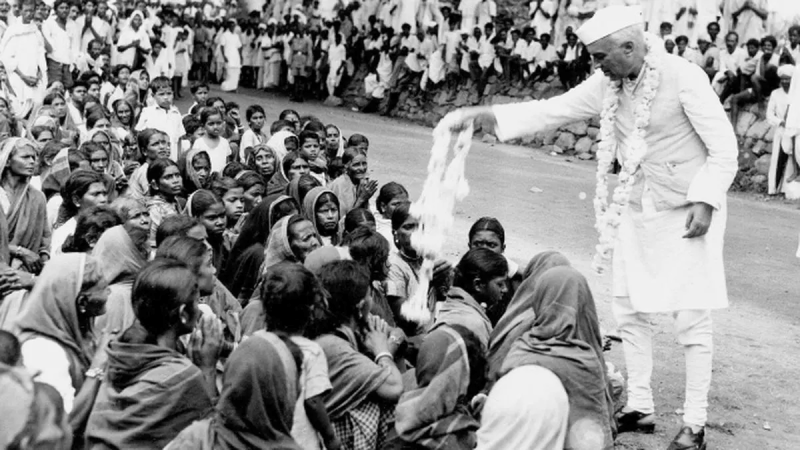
<point>698,220</point>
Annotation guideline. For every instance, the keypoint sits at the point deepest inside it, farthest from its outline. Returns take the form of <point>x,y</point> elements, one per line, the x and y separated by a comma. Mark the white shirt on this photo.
<point>46,357</point>
<point>487,10</point>
<point>218,153</point>
<point>102,27</point>
<point>162,66</point>
<point>231,44</point>
<point>64,42</point>
<point>412,44</point>
<point>169,121</point>
<point>730,61</point>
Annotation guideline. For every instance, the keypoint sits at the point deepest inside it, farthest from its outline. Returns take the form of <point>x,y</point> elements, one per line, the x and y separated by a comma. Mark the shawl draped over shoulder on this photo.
<point>565,338</point>
<point>435,415</point>
<point>256,407</point>
<point>353,375</point>
<point>519,315</point>
<point>346,191</point>
<point>460,308</point>
<point>28,226</point>
<point>51,311</point>
<point>150,393</point>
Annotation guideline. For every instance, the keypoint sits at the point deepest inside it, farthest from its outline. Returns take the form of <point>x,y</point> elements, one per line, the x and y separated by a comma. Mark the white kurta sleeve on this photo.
<point>710,122</point>
<point>523,119</point>
<point>772,109</point>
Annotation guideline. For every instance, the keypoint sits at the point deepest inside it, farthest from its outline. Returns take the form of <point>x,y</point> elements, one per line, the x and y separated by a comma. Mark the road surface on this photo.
<point>753,400</point>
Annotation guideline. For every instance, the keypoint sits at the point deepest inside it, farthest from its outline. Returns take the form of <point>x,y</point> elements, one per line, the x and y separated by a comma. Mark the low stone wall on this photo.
<point>579,139</point>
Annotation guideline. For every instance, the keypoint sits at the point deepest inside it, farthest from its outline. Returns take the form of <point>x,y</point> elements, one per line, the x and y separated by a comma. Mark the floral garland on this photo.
<point>607,217</point>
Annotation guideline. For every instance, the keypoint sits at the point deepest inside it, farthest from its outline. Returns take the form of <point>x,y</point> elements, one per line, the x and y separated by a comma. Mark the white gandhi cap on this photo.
<point>608,21</point>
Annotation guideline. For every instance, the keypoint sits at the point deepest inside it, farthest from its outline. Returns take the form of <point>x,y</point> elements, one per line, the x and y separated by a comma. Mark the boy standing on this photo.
<point>200,94</point>
<point>163,116</point>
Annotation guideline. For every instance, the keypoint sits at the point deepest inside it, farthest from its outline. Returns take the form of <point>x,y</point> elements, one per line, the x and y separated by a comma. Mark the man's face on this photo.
<point>164,98</point>
<point>4,8</point>
<point>682,46</point>
<point>94,49</point>
<point>786,82</point>
<point>669,46</point>
<point>612,58</point>
<point>89,8</point>
<point>794,35</point>
<point>666,30</point>
<point>102,9</point>
<point>767,48</point>
<point>572,40</point>
<point>27,13</point>
<point>703,46</point>
<point>79,94</point>
<point>752,50</point>
<point>731,41</point>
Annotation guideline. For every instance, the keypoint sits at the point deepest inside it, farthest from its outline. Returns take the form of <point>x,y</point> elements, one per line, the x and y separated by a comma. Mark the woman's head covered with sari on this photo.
<point>450,371</point>
<point>52,309</point>
<point>277,142</point>
<point>565,338</point>
<point>195,179</point>
<point>119,255</point>
<point>519,314</point>
<point>280,249</point>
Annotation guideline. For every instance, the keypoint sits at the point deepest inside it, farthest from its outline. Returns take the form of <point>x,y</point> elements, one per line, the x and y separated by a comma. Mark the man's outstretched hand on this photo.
<point>698,220</point>
<point>456,121</point>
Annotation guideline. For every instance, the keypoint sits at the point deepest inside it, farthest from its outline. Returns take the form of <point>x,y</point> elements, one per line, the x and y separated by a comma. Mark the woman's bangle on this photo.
<point>383,355</point>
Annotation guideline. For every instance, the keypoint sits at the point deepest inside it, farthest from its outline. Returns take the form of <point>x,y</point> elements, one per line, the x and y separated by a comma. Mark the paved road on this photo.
<point>757,338</point>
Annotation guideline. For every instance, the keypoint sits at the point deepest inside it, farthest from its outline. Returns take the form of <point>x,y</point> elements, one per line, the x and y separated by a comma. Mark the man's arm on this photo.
<point>524,119</point>
<point>710,122</point>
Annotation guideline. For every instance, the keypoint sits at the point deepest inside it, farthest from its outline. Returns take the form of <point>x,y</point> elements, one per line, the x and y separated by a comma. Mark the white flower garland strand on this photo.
<point>607,217</point>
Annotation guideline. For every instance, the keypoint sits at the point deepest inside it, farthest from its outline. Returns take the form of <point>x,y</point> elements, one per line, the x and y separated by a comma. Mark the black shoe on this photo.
<point>635,421</point>
<point>687,440</point>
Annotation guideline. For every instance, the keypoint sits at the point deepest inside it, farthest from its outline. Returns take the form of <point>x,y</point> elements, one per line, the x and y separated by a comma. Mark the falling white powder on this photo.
<point>445,184</point>
<point>582,196</point>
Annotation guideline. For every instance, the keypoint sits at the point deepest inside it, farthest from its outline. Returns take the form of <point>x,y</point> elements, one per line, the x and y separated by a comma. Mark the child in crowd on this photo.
<point>256,118</point>
<point>200,94</point>
<point>163,115</point>
<point>212,142</point>
<point>310,150</point>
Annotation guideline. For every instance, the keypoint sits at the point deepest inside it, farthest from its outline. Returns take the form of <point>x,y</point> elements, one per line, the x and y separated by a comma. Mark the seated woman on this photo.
<point>56,324</point>
<point>450,371</point>
<point>564,339</point>
<point>321,207</point>
<point>292,240</point>
<point>257,401</point>
<point>195,168</point>
<point>479,284</point>
<point>404,271</point>
<point>354,188</point>
<point>241,273</point>
<point>91,224</point>
<point>122,251</point>
<point>365,387</point>
<point>84,189</point>
<point>261,160</point>
<point>519,315</point>
<point>152,391</point>
<point>390,197</point>
<point>368,248</point>
<point>24,206</point>
<point>166,185</point>
<point>359,217</point>
<point>301,186</point>
<point>197,256</point>
<point>209,210</point>
<point>133,212</point>
<point>292,166</point>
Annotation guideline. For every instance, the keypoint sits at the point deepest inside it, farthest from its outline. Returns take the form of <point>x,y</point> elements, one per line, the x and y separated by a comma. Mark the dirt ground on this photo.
<point>753,403</point>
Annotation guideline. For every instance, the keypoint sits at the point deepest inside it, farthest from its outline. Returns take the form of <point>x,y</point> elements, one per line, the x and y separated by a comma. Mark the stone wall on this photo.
<point>578,140</point>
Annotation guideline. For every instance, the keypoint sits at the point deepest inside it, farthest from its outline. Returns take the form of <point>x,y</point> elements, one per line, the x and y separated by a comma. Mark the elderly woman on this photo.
<point>56,325</point>
<point>24,206</point>
<point>263,161</point>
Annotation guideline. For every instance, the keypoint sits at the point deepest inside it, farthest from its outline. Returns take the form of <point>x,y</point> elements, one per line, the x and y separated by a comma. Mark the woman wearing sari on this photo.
<point>282,143</point>
<point>123,118</point>
<point>58,110</point>
<point>24,206</point>
<point>565,339</point>
<point>291,240</point>
<point>133,39</point>
<point>247,254</point>
<point>256,406</point>
<point>195,168</point>
<point>293,166</point>
<point>519,315</point>
<point>354,188</point>
<point>83,190</point>
<point>365,388</point>
<point>262,160</point>
<point>151,390</point>
<point>122,253</point>
<point>56,323</point>
<point>435,414</point>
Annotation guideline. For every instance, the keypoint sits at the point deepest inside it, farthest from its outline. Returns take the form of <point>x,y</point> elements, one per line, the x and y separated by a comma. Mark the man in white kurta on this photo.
<point>668,251</point>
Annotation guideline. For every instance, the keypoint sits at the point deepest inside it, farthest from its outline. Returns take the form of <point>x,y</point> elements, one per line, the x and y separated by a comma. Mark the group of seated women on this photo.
<point>260,306</point>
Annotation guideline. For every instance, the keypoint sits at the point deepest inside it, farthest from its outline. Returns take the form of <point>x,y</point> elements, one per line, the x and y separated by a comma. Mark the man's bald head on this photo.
<point>620,54</point>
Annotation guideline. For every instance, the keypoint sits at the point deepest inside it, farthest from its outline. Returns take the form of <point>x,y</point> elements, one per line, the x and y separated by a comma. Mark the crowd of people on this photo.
<point>218,278</point>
